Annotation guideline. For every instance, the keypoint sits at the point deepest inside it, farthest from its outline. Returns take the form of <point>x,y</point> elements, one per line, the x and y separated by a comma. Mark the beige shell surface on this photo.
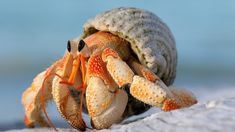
<point>150,38</point>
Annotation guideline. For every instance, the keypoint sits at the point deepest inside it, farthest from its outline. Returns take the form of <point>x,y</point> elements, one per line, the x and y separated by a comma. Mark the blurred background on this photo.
<point>33,34</point>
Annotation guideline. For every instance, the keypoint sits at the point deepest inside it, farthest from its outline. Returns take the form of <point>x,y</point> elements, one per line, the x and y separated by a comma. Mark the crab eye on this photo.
<point>68,46</point>
<point>81,45</point>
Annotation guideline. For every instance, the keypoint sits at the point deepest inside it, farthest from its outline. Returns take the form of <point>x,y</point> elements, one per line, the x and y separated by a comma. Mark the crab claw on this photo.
<point>105,107</point>
<point>105,102</point>
<point>67,104</point>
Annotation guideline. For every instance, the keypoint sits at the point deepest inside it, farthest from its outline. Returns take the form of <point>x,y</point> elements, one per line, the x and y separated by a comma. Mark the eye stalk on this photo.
<point>81,45</point>
<point>68,46</point>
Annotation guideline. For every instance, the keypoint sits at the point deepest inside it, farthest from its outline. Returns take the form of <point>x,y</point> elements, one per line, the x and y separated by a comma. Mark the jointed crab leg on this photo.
<point>31,98</point>
<point>178,98</point>
<point>141,70</point>
<point>32,103</point>
<point>148,88</point>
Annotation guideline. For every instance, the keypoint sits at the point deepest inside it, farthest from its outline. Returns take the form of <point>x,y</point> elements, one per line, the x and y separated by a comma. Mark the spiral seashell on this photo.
<point>149,37</point>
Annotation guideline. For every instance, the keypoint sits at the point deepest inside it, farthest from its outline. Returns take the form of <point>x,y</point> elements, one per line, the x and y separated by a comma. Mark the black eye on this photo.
<point>68,46</point>
<point>81,45</point>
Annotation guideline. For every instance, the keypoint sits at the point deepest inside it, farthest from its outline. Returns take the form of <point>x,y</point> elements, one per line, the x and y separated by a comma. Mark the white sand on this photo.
<point>214,112</point>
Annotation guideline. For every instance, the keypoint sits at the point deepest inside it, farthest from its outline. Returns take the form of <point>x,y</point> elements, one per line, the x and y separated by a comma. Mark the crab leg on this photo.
<point>31,102</point>
<point>145,86</point>
<point>180,97</point>
<point>105,102</point>
<point>31,97</point>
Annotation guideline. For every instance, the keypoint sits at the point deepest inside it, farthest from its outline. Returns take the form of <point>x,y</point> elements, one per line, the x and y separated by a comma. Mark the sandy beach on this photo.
<point>214,112</point>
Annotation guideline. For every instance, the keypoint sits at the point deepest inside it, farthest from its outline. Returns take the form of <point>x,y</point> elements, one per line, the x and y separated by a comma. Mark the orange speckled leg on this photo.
<point>39,89</point>
<point>142,70</point>
<point>168,98</point>
<point>146,86</point>
<point>171,98</point>
<point>32,103</point>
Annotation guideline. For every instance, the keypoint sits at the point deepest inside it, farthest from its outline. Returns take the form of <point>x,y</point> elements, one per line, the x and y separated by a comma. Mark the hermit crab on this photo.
<point>121,65</point>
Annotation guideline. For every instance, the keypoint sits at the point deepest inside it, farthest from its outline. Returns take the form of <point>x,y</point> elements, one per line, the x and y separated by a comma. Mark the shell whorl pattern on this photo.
<point>150,38</point>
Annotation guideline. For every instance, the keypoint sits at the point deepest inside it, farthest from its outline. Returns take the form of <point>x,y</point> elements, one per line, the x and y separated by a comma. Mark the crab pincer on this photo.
<point>68,91</point>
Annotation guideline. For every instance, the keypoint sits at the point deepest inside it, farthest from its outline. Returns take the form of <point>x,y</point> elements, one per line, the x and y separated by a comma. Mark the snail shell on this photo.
<point>149,37</point>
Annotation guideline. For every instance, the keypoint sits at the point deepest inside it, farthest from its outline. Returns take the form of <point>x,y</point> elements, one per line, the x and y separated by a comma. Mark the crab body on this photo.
<point>106,74</point>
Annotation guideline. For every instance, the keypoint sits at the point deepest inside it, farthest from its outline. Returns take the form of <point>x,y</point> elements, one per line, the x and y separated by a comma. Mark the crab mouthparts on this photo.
<point>76,64</point>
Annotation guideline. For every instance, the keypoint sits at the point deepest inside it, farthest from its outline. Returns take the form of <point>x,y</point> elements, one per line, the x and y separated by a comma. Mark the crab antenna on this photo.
<point>43,100</point>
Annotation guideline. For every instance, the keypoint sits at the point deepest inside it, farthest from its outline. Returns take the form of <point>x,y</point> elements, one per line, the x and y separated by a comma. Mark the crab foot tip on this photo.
<point>28,123</point>
<point>170,104</point>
